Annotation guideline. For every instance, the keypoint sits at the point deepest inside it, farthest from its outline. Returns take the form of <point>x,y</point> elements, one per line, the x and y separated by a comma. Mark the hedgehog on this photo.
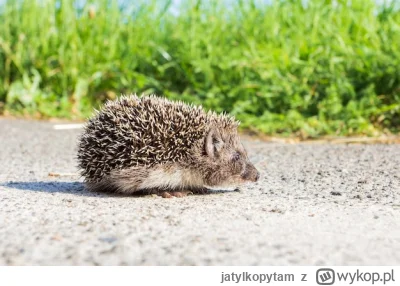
<point>157,146</point>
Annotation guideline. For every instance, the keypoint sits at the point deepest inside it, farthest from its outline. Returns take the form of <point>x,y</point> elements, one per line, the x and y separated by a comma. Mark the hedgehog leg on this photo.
<point>185,193</point>
<point>165,195</point>
<point>179,194</point>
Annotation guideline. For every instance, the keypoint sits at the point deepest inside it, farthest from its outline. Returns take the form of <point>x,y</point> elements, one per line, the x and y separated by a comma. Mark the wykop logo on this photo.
<point>325,276</point>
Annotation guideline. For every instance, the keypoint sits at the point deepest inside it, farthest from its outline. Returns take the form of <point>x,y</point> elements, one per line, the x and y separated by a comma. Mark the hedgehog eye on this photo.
<point>235,157</point>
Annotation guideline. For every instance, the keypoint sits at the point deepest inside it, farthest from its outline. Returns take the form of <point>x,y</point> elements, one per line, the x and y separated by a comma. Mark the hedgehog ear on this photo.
<point>213,143</point>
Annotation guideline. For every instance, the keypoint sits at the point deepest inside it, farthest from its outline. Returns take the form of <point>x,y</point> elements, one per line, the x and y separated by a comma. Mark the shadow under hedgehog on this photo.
<point>154,145</point>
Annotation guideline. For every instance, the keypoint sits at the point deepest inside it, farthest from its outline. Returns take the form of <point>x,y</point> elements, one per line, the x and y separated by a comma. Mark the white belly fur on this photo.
<point>171,179</point>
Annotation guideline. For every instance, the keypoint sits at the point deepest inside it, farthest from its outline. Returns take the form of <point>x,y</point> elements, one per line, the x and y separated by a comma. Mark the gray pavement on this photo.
<point>315,204</point>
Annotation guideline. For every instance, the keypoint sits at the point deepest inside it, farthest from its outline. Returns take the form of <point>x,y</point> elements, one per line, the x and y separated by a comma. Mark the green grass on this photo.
<point>284,68</point>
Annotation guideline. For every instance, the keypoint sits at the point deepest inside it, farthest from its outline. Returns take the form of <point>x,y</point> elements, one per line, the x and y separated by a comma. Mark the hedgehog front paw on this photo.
<point>180,194</point>
<point>165,195</point>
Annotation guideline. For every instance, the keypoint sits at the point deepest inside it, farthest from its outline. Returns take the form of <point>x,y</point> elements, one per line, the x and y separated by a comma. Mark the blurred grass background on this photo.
<point>310,68</point>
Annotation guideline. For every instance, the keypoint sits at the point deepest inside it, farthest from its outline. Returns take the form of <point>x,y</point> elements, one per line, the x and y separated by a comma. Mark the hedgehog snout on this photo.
<point>251,173</point>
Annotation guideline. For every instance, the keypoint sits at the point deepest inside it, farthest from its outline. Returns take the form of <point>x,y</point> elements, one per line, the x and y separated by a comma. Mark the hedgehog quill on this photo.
<point>153,145</point>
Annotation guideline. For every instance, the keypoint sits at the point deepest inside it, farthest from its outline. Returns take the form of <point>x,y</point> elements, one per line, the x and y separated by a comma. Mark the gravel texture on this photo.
<point>315,204</point>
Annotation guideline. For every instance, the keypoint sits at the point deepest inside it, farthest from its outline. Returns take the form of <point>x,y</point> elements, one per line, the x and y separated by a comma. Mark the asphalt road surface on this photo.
<point>315,204</point>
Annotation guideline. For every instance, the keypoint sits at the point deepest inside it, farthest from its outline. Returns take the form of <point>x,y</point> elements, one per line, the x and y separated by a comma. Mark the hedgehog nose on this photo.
<point>251,173</point>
